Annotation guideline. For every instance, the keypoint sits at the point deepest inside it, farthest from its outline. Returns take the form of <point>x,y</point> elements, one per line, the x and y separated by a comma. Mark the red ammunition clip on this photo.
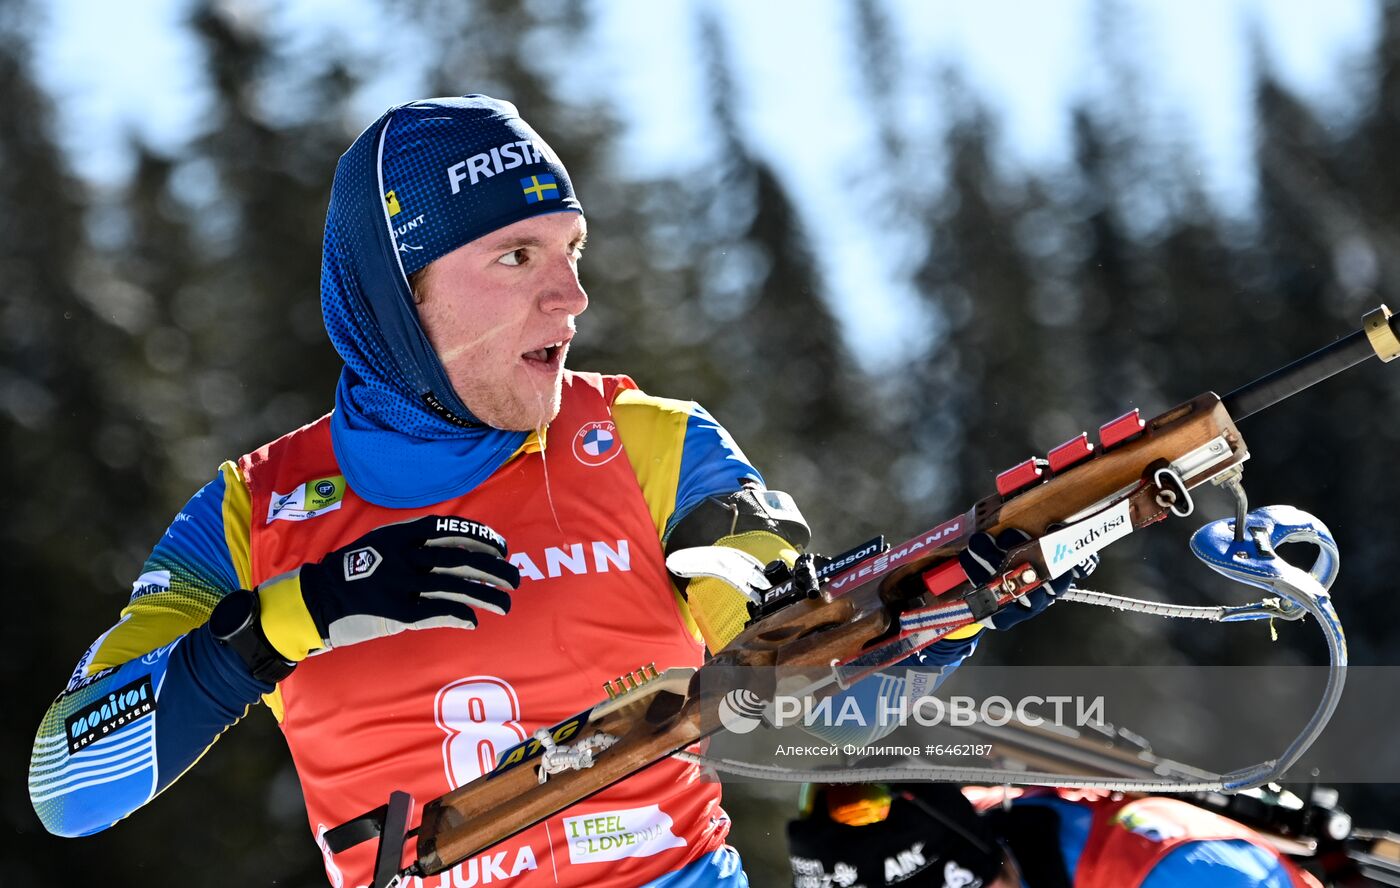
<point>1023,475</point>
<point>1072,451</point>
<point>1129,425</point>
<point>946,576</point>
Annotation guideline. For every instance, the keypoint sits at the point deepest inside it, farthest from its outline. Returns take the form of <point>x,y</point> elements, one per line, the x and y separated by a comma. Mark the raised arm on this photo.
<point>701,491</point>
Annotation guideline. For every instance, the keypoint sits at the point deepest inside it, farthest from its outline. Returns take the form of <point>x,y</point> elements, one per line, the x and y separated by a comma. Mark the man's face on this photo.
<point>499,311</point>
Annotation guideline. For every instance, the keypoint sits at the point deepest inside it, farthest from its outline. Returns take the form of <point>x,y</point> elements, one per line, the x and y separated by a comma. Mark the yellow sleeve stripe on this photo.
<point>238,523</point>
<point>285,619</point>
<point>159,619</point>
<point>719,609</point>
<point>653,435</point>
<point>964,632</point>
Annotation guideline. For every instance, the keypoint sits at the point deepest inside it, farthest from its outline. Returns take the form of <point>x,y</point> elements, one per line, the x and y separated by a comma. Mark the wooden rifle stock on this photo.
<point>858,609</point>
<point>654,724</point>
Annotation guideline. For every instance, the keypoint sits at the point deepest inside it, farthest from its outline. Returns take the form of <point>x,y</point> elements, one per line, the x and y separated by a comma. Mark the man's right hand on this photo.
<point>432,572</point>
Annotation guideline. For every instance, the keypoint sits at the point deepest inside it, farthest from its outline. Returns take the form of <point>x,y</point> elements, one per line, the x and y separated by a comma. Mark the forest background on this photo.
<point>159,321</point>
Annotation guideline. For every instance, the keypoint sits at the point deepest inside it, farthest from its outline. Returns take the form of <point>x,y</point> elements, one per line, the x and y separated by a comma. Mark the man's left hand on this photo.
<point>985,557</point>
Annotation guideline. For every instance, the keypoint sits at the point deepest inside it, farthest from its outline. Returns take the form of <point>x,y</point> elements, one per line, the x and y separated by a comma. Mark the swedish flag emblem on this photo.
<point>391,200</point>
<point>538,188</point>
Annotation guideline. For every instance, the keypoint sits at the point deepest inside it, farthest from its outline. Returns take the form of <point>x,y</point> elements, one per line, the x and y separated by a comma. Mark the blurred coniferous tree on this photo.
<point>1323,247</point>
<point>1145,304</point>
<point>270,146</point>
<point>791,393</point>
<point>783,380</point>
<point>60,337</point>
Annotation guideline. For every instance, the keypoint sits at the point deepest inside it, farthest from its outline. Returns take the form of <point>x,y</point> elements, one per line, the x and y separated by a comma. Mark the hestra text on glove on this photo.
<point>432,572</point>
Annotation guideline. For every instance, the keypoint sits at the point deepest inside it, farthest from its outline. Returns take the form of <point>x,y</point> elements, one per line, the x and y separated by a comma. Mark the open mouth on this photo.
<point>547,358</point>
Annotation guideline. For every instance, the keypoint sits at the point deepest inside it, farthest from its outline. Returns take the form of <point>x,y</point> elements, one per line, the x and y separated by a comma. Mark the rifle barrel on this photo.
<point>1380,327</point>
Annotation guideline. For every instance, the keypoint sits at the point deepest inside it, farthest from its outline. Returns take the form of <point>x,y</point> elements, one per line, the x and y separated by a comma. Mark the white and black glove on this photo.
<point>432,572</point>
<point>985,557</point>
<point>429,573</point>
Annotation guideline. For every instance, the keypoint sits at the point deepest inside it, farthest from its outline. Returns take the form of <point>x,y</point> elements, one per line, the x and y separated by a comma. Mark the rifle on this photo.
<point>836,621</point>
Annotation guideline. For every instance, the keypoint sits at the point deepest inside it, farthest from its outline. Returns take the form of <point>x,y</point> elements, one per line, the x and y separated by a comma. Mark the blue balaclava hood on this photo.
<point>420,182</point>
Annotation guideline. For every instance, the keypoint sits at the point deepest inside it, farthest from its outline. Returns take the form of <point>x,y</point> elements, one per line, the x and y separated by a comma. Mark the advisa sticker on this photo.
<point>1068,546</point>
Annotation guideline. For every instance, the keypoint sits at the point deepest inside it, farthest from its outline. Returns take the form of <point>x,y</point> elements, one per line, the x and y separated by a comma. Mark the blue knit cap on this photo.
<point>420,182</point>
<point>456,169</point>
